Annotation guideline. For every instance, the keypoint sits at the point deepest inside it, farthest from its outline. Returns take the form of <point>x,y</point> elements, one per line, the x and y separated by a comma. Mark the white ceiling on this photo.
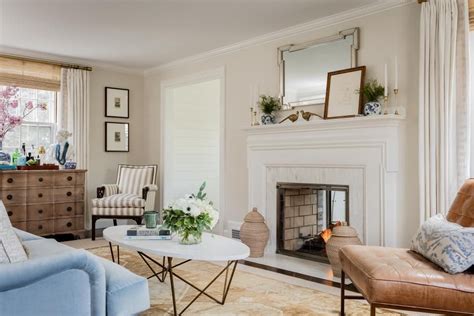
<point>142,34</point>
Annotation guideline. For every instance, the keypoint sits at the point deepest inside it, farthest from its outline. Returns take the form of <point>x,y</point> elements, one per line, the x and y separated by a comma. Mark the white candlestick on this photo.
<point>385,92</point>
<point>396,73</point>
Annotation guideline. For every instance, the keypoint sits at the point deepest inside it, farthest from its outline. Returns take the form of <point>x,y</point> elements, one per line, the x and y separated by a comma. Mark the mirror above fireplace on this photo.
<point>306,215</point>
<point>304,67</point>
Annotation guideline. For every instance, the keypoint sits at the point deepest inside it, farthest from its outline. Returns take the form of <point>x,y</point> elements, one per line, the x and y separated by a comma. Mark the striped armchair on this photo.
<point>133,194</point>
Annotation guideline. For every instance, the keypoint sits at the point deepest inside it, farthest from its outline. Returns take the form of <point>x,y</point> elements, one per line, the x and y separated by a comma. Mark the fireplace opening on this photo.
<point>306,215</point>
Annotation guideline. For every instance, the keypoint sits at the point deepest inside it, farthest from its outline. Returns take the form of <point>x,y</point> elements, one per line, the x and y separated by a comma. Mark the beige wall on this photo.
<point>103,165</point>
<point>383,36</point>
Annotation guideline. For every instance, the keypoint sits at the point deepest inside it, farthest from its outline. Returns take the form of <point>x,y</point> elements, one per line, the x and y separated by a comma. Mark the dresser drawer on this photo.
<point>20,225</point>
<point>79,194</point>
<point>67,194</point>
<point>13,180</point>
<point>62,225</point>
<point>40,211</point>
<point>40,227</point>
<point>13,196</point>
<point>79,208</point>
<point>65,179</point>
<point>64,209</point>
<point>80,178</point>
<point>16,213</point>
<point>39,195</point>
<point>39,179</point>
<point>79,223</point>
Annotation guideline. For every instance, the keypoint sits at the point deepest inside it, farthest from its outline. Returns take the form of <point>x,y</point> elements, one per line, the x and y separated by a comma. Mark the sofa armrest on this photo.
<point>149,194</point>
<point>16,276</point>
<point>107,190</point>
<point>25,236</point>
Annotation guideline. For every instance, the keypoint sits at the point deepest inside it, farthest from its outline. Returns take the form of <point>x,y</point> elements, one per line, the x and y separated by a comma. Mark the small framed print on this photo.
<point>116,137</point>
<point>343,93</point>
<point>116,102</point>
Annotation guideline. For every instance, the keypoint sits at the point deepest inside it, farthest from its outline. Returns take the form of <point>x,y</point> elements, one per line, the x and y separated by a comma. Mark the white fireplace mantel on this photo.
<point>365,153</point>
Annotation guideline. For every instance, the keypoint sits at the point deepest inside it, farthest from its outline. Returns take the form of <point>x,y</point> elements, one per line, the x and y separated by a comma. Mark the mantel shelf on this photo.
<point>320,124</point>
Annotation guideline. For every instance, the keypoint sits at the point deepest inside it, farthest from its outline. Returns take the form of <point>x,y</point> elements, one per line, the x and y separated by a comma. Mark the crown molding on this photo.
<point>374,8</point>
<point>63,59</point>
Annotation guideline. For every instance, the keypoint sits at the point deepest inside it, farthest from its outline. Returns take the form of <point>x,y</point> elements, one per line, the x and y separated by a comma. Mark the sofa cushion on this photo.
<point>11,249</point>
<point>39,248</point>
<point>126,291</point>
<point>402,277</point>
<point>446,244</point>
<point>119,200</point>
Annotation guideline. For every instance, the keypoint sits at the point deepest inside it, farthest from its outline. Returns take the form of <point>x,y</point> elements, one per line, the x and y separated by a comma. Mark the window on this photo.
<point>39,127</point>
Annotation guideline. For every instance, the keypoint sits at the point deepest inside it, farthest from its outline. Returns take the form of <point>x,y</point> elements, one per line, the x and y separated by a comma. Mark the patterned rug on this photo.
<point>250,294</point>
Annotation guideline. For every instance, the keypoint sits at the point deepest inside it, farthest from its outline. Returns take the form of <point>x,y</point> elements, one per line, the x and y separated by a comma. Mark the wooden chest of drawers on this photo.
<point>45,202</point>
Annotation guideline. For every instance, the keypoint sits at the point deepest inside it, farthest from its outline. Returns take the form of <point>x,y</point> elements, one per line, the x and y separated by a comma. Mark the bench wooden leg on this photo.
<point>343,279</point>
<point>372,310</point>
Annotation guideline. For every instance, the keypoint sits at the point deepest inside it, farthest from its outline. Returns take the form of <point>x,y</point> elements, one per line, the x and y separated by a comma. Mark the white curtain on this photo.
<point>73,115</point>
<point>444,113</point>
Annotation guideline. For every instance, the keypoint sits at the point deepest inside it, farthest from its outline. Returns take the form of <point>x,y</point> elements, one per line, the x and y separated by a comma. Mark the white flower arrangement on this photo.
<point>190,216</point>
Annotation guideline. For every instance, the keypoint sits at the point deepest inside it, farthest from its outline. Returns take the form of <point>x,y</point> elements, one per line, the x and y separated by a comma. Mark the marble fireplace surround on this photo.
<point>364,153</point>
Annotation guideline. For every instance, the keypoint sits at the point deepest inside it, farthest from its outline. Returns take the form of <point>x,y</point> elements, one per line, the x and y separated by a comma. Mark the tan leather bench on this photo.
<point>401,279</point>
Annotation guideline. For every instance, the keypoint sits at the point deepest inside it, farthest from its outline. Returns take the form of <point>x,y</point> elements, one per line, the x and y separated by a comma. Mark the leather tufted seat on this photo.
<point>402,279</point>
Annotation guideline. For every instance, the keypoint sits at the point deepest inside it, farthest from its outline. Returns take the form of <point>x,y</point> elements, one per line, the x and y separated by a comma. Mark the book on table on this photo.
<point>141,232</point>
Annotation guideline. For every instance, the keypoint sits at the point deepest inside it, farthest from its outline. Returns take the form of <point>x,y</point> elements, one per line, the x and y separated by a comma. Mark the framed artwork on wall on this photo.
<point>117,102</point>
<point>344,93</point>
<point>117,136</point>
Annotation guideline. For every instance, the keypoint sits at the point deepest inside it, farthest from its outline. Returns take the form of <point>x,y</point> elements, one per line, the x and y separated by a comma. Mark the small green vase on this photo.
<point>151,219</point>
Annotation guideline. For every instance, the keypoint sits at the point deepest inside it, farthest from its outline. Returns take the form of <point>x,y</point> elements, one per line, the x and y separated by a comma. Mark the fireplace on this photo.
<point>306,214</point>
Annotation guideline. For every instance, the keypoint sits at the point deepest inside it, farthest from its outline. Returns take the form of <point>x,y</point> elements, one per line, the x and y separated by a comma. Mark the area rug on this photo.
<point>250,294</point>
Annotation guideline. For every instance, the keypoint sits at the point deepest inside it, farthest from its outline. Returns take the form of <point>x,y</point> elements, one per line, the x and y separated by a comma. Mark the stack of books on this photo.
<point>143,233</point>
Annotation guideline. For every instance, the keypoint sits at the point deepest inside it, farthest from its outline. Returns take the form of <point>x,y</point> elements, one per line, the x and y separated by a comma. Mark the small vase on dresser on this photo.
<point>44,202</point>
<point>340,237</point>
<point>254,233</point>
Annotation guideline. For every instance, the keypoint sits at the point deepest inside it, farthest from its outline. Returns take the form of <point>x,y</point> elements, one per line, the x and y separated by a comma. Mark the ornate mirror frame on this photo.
<point>296,47</point>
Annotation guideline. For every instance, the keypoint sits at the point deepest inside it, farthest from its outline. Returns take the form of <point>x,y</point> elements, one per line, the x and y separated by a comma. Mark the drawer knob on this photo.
<point>69,178</point>
<point>69,193</point>
<point>9,197</point>
<point>10,180</point>
<point>69,209</point>
<point>40,211</point>
<point>40,227</point>
<point>69,224</point>
<point>40,195</point>
<point>40,179</point>
<point>10,213</point>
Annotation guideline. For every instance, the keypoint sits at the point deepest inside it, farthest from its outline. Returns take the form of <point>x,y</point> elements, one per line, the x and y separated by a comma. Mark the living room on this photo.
<point>292,157</point>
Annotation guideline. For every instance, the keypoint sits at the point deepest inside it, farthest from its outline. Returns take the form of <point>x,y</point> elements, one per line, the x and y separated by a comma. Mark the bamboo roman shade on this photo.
<point>30,74</point>
<point>471,15</point>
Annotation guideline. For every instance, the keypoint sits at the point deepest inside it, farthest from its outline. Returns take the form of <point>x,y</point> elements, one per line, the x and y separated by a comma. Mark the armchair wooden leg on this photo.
<point>343,281</point>
<point>94,219</point>
<point>372,310</point>
<point>115,222</point>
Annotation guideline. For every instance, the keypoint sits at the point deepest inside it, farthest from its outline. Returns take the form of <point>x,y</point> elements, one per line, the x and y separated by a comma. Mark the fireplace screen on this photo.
<point>307,213</point>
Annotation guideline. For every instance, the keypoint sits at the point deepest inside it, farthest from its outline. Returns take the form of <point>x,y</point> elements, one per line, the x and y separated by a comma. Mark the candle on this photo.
<point>396,74</point>
<point>385,91</point>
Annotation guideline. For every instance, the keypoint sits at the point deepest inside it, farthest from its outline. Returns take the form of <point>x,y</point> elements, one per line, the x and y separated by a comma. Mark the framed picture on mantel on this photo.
<point>116,102</point>
<point>344,93</point>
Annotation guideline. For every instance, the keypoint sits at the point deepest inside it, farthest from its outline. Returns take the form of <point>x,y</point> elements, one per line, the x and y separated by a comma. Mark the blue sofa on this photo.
<point>60,280</point>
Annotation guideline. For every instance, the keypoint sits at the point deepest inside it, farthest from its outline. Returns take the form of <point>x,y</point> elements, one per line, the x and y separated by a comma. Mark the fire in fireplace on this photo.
<point>306,215</point>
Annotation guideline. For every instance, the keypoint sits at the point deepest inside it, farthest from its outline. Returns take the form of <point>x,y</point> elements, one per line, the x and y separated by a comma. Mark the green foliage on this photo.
<point>201,195</point>
<point>373,91</point>
<point>268,104</point>
<point>185,224</point>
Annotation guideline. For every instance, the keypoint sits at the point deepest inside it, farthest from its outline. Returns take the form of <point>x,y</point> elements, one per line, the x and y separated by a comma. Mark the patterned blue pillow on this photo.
<point>449,245</point>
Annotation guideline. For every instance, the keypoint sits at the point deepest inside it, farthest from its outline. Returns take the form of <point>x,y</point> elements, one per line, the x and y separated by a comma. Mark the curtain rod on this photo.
<point>49,62</point>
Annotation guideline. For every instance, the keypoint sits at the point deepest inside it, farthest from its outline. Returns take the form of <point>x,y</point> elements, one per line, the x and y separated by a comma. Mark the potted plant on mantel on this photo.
<point>9,117</point>
<point>373,92</point>
<point>268,105</point>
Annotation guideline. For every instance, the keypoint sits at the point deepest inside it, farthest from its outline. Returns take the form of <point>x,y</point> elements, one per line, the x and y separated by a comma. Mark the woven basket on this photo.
<point>254,233</point>
<point>341,236</point>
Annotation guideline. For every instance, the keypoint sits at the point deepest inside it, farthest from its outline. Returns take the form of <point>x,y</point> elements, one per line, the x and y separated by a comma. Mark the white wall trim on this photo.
<point>374,8</point>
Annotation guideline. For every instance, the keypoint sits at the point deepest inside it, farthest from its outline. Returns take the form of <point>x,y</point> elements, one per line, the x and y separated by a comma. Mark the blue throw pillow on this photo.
<point>449,245</point>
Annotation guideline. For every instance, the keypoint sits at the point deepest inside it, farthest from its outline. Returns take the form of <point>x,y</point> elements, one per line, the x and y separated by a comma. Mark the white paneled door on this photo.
<point>192,131</point>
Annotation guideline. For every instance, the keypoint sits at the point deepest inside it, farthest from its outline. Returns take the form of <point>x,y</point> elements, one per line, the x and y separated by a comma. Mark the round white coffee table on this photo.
<point>212,248</point>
